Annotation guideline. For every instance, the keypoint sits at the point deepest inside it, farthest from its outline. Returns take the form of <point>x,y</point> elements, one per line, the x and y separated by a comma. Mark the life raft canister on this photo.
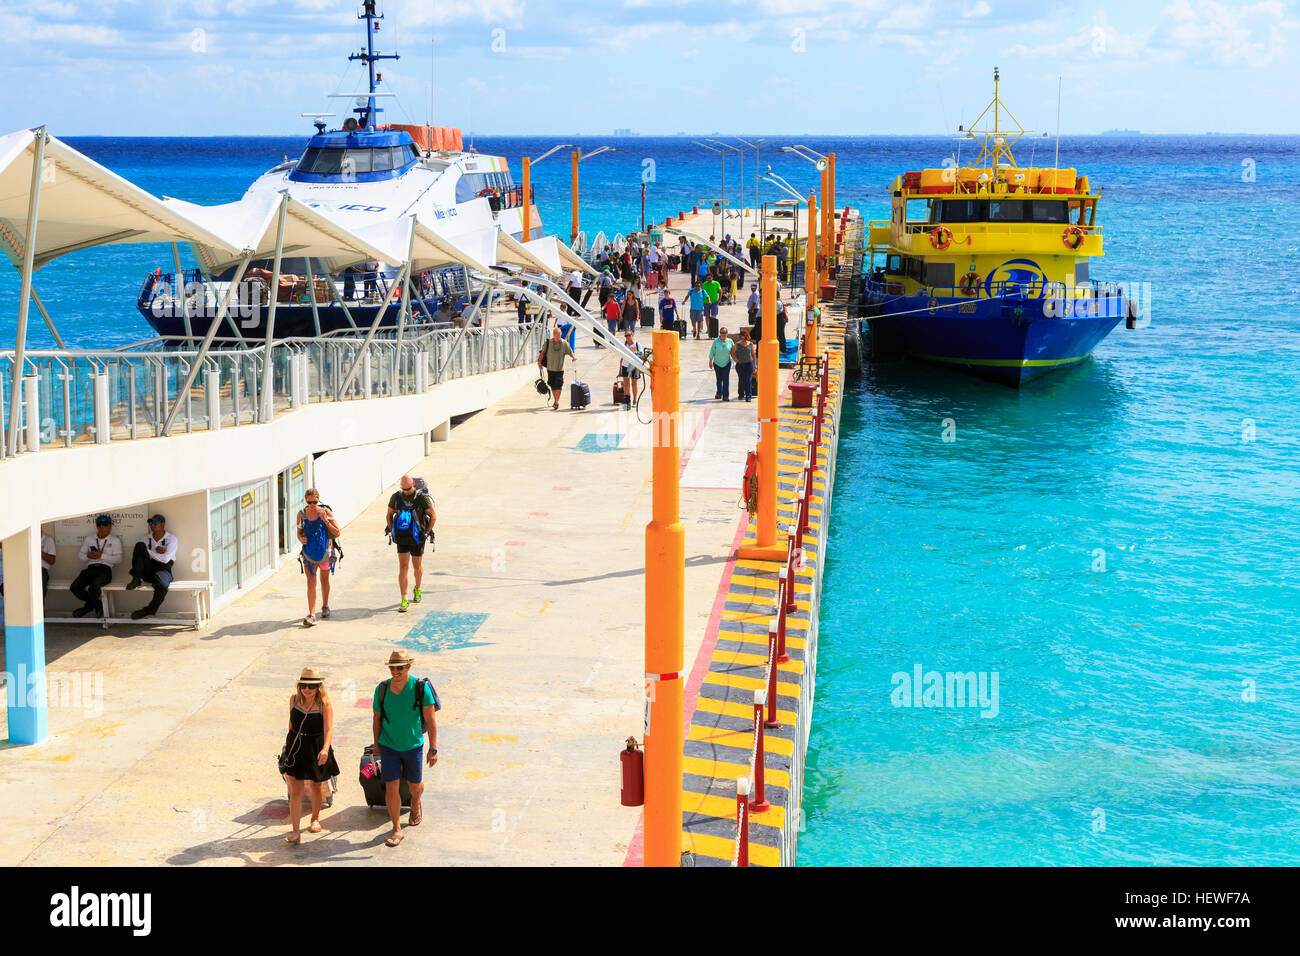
<point>941,237</point>
<point>970,283</point>
<point>1072,237</point>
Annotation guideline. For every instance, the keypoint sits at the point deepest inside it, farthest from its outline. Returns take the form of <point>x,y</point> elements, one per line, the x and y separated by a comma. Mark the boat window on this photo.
<point>940,274</point>
<point>893,265</point>
<point>1047,210</point>
<point>382,160</point>
<point>1006,210</point>
<point>962,210</point>
<point>1080,271</point>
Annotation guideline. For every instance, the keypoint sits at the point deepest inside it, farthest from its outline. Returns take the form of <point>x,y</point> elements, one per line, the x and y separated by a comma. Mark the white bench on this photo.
<point>201,591</point>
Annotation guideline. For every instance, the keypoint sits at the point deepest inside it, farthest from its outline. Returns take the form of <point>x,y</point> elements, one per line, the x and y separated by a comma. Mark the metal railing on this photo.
<point>1003,289</point>
<point>71,398</point>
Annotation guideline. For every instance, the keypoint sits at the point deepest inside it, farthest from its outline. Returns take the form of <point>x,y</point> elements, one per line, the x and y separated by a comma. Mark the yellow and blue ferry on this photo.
<point>986,267</point>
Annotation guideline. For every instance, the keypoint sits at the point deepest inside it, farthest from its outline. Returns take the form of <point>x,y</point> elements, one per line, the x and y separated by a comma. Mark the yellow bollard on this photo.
<point>528,203</point>
<point>769,545</point>
<point>810,269</point>
<point>665,609</point>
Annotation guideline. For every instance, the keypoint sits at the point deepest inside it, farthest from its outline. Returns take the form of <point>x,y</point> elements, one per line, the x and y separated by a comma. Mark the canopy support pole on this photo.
<point>460,333</point>
<point>406,294</point>
<point>40,307</point>
<point>365,345</point>
<point>334,287</point>
<point>207,277</point>
<point>268,374</point>
<point>311,291</point>
<point>180,294</point>
<point>29,253</point>
<point>222,313</point>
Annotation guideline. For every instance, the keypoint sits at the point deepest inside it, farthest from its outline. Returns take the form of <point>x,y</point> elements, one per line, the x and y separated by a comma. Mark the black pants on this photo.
<point>152,572</point>
<point>87,586</point>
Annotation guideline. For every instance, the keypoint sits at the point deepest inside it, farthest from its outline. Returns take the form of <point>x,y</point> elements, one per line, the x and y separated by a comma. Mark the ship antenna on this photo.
<point>370,15</point>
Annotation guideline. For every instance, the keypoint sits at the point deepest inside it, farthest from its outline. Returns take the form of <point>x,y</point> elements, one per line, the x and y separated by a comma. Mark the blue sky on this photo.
<point>544,67</point>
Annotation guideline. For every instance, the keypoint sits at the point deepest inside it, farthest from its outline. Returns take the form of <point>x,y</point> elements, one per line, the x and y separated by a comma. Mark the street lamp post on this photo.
<point>578,156</point>
<point>723,154</point>
<point>742,179</point>
<point>756,146</point>
<point>528,188</point>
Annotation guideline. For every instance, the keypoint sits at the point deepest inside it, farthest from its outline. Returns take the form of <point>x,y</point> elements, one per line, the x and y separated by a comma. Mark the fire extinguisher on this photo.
<point>633,774</point>
<point>749,484</point>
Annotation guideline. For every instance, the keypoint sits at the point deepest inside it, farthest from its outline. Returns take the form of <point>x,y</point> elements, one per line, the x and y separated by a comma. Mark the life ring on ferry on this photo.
<point>941,237</point>
<point>970,283</point>
<point>1072,237</point>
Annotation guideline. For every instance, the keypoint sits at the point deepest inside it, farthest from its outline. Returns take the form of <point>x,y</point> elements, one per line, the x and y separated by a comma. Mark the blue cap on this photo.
<point>157,519</point>
<point>103,519</point>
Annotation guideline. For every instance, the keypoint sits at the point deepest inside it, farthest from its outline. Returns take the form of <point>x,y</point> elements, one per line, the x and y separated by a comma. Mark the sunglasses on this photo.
<point>313,501</point>
<point>398,667</point>
<point>306,686</point>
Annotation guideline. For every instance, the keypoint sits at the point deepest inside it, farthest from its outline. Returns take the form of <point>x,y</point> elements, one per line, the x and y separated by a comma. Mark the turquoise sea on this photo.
<point>1117,542</point>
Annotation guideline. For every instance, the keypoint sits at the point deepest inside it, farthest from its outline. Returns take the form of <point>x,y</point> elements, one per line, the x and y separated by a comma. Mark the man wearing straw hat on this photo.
<point>403,714</point>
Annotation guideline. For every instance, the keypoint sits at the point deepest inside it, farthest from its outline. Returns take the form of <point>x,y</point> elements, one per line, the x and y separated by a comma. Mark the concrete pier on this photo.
<point>531,629</point>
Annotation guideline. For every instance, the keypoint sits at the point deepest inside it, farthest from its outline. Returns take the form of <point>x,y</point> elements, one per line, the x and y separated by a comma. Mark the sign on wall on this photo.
<point>129,524</point>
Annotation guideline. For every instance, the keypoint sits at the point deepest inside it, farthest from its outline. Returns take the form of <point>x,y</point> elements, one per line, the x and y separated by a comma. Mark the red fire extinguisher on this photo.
<point>633,774</point>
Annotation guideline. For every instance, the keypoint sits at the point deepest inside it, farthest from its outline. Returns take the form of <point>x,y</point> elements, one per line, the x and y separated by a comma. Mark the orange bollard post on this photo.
<point>576,157</point>
<point>830,207</point>
<point>811,286</point>
<point>665,573</point>
<point>768,542</point>
<point>527,165</point>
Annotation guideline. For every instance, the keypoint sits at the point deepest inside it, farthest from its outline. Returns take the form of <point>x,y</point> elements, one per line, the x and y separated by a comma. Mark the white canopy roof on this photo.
<point>551,250</point>
<point>431,250</point>
<point>493,245</point>
<point>83,204</point>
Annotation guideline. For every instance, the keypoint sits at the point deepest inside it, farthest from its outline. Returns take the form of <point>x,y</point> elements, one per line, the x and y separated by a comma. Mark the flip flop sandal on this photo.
<point>315,827</point>
<point>293,838</point>
<point>394,840</point>
<point>414,821</point>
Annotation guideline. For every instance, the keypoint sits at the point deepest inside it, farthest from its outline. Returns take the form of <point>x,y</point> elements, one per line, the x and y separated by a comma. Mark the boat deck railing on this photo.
<point>1004,289</point>
<point>76,397</point>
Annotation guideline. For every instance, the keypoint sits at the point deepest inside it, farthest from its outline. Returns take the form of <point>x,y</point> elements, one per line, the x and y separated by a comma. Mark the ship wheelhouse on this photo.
<point>356,157</point>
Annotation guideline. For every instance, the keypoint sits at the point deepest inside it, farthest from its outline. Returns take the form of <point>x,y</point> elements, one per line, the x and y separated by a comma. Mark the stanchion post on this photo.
<point>811,284</point>
<point>742,822</point>
<point>772,628</point>
<point>784,599</point>
<point>759,804</point>
<point>665,569</point>
<point>767,544</point>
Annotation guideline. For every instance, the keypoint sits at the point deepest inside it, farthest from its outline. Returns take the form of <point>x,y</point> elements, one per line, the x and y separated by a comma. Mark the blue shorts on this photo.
<point>395,764</point>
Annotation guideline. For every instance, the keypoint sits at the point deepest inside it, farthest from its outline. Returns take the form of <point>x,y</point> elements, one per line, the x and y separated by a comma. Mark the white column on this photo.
<point>32,399</point>
<point>103,424</point>
<point>24,621</point>
<point>212,392</point>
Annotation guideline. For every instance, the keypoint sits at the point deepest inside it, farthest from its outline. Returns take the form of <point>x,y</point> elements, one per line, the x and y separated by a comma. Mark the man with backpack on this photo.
<point>410,526</point>
<point>403,713</point>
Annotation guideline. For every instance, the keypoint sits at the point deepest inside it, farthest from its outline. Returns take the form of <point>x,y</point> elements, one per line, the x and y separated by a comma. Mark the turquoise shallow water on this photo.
<point>1109,541</point>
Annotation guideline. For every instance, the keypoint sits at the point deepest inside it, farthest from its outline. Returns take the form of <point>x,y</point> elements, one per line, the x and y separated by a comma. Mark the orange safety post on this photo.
<point>528,204</point>
<point>573,231</point>
<point>810,269</point>
<point>830,207</point>
<point>823,246</point>
<point>768,545</point>
<point>665,585</point>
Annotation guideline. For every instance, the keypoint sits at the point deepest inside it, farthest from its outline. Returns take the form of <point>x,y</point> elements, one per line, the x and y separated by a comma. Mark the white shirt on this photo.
<point>575,278</point>
<point>47,547</point>
<point>109,557</point>
<point>653,255</point>
<point>169,543</point>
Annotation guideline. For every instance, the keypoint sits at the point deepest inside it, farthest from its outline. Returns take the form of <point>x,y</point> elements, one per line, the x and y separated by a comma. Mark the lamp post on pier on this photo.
<point>527,165</point>
<point>723,194</point>
<point>739,150</point>
<point>757,147</point>
<point>578,156</point>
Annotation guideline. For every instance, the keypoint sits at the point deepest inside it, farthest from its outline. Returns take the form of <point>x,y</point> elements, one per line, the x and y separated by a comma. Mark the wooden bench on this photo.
<point>201,591</point>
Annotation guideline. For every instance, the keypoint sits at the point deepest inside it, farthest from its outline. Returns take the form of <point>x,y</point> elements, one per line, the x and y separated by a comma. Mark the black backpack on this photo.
<point>419,696</point>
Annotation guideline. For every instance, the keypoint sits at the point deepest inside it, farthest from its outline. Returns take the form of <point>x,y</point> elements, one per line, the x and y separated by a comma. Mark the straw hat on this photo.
<point>399,658</point>
<point>310,675</point>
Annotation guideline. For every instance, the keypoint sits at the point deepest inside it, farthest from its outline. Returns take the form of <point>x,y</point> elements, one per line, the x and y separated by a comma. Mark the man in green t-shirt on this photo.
<point>399,725</point>
<point>712,292</point>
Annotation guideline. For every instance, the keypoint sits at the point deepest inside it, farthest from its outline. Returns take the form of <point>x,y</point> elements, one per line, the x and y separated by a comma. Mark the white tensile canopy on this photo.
<point>492,244</point>
<point>551,250</point>
<point>430,250</point>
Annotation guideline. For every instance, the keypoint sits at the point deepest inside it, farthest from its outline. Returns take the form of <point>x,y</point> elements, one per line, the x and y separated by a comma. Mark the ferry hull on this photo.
<point>291,321</point>
<point>1011,342</point>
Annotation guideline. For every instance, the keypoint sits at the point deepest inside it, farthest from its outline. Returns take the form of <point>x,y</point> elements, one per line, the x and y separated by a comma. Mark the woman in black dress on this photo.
<point>308,745</point>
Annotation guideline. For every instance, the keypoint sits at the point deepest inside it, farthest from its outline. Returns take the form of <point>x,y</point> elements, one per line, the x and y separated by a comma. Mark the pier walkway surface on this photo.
<point>531,628</point>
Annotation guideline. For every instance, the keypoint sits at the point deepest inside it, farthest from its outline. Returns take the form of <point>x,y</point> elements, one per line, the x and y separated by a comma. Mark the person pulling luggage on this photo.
<point>403,713</point>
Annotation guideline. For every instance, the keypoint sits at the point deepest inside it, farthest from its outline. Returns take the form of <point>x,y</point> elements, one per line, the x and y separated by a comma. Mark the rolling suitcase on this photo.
<point>652,280</point>
<point>713,326</point>
<point>372,783</point>
<point>681,328</point>
<point>620,397</point>
<point>579,395</point>
<point>647,317</point>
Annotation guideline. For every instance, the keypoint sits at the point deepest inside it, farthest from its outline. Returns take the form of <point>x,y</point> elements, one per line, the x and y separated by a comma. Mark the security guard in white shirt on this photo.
<point>102,551</point>
<point>151,563</point>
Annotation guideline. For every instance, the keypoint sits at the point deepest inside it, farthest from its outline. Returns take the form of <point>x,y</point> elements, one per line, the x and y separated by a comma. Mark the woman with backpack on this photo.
<point>318,534</point>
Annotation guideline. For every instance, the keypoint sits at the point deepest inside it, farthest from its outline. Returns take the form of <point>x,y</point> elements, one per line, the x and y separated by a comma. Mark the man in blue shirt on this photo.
<point>697,309</point>
<point>668,320</point>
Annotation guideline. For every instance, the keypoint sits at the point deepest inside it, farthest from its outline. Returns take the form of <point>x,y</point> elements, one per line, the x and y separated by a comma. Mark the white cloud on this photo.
<point>981,9</point>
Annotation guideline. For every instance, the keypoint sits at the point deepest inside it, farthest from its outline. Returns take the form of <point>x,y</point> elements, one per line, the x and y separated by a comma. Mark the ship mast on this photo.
<point>996,146</point>
<point>369,14</point>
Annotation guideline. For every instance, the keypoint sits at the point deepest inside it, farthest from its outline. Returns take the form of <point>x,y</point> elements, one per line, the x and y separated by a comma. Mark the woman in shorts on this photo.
<point>317,530</point>
<point>630,374</point>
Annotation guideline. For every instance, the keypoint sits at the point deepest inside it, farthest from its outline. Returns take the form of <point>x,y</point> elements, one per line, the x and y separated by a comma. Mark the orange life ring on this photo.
<point>970,283</point>
<point>1072,237</point>
<point>941,237</point>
